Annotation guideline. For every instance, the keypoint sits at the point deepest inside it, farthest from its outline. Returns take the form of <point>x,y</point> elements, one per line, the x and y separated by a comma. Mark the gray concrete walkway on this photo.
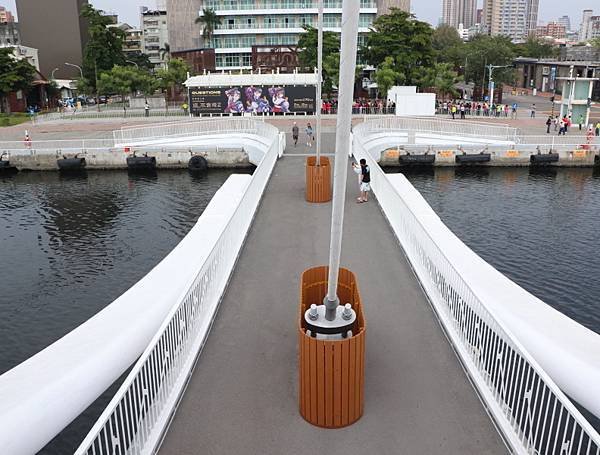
<point>242,398</point>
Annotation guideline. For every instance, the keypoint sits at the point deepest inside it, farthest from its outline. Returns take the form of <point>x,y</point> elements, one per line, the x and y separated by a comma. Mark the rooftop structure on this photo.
<point>29,54</point>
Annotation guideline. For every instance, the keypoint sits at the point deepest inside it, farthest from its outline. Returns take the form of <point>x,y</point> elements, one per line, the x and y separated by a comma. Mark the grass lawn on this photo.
<point>13,119</point>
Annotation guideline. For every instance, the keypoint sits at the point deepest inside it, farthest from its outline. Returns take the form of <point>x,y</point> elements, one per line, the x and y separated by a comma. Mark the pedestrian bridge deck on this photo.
<point>242,397</point>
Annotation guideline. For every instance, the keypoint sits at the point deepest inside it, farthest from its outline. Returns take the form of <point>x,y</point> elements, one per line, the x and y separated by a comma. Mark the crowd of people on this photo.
<point>362,106</point>
<point>562,124</point>
<point>461,109</point>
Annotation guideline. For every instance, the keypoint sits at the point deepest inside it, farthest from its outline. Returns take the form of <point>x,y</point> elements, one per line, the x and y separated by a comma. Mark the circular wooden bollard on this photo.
<point>318,180</point>
<point>331,373</point>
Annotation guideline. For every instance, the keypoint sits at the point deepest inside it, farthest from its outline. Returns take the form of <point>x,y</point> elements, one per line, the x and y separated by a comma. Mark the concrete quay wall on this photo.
<point>178,158</point>
<point>504,158</point>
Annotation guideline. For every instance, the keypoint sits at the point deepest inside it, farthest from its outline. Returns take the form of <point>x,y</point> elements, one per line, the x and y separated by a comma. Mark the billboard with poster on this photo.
<point>252,99</point>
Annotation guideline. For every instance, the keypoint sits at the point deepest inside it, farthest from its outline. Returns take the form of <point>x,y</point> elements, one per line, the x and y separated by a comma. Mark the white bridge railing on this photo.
<point>197,127</point>
<point>442,127</point>
<point>137,416</point>
<point>501,332</point>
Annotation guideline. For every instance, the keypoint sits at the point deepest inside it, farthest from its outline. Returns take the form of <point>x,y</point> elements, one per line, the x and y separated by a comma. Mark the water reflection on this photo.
<point>536,225</point>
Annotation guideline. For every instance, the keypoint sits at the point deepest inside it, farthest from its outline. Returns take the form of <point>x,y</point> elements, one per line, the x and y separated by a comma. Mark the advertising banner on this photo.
<point>252,99</point>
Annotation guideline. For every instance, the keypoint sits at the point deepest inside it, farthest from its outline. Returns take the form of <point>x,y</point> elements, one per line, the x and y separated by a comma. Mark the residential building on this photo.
<point>552,30</point>
<point>57,30</point>
<point>184,33</point>
<point>514,18</point>
<point>456,12</point>
<point>248,23</point>
<point>594,27</point>
<point>133,41</point>
<point>9,33</point>
<point>479,19</point>
<point>25,53</point>
<point>585,31</point>
<point>155,34</point>
<point>6,16</point>
<point>565,21</point>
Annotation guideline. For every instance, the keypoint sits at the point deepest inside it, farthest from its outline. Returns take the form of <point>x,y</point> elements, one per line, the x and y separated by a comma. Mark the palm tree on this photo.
<point>165,52</point>
<point>209,21</point>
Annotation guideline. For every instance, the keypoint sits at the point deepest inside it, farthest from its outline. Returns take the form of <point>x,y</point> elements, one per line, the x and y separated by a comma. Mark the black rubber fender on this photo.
<point>197,163</point>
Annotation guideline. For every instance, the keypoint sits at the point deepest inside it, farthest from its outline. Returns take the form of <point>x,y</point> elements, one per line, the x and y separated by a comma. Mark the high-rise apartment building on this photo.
<point>514,18</point>
<point>57,30</point>
<point>155,34</point>
<point>585,32</point>
<point>456,12</point>
<point>264,23</point>
<point>594,27</point>
<point>9,34</point>
<point>565,21</point>
<point>6,16</point>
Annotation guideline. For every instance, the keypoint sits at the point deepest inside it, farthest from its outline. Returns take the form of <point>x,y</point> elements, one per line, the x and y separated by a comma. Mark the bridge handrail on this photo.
<point>140,411</point>
<point>394,123</point>
<point>468,296</point>
<point>132,135</point>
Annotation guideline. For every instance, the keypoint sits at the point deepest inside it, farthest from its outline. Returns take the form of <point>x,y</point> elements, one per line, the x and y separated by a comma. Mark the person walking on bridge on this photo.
<point>310,134</point>
<point>295,133</point>
<point>365,180</point>
<point>548,124</point>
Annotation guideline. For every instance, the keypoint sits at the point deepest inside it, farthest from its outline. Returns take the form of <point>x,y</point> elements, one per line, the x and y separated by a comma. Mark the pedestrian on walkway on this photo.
<point>295,133</point>
<point>555,122</point>
<point>533,111</point>
<point>310,135</point>
<point>147,109</point>
<point>453,111</point>
<point>548,124</point>
<point>462,111</point>
<point>365,180</point>
<point>598,128</point>
<point>562,127</point>
<point>581,120</point>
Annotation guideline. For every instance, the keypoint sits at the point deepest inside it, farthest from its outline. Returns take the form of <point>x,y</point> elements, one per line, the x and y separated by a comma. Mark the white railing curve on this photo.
<point>139,413</point>
<point>533,413</point>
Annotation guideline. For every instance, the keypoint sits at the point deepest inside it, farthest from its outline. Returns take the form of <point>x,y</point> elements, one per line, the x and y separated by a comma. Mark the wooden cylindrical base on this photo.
<point>318,180</point>
<point>331,393</point>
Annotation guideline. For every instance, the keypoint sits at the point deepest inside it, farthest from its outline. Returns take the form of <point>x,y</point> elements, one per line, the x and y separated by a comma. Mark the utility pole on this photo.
<point>491,68</point>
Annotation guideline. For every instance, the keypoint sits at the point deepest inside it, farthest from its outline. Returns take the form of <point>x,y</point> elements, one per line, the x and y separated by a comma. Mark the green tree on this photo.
<point>307,55</point>
<point>489,50</point>
<point>14,75</point>
<point>104,48</point>
<point>386,76</point>
<point>400,36</point>
<point>595,42</point>
<point>209,21</point>
<point>442,78</point>
<point>536,48</point>
<point>168,79</point>
<point>121,80</point>
<point>142,60</point>
<point>448,46</point>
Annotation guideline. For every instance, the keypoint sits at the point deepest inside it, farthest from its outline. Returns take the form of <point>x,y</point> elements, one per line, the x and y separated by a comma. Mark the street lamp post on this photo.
<point>53,71</point>
<point>76,66</point>
<point>319,103</point>
<point>131,61</point>
<point>491,68</point>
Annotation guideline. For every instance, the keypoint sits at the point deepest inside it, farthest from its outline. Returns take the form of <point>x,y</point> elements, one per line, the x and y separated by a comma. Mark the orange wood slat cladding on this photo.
<point>331,372</point>
<point>318,180</point>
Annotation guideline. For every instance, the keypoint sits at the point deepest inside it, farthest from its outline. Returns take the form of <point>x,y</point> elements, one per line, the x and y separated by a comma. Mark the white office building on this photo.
<point>246,23</point>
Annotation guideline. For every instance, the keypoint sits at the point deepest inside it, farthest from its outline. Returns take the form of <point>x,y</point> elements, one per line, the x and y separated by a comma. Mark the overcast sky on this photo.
<point>427,10</point>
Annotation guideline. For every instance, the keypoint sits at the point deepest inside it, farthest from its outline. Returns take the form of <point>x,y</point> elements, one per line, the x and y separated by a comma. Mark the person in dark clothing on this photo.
<point>365,180</point>
<point>548,124</point>
<point>295,133</point>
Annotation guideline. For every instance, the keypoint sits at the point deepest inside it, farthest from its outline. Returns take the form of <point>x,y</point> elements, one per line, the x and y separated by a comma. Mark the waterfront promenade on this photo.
<point>242,396</point>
